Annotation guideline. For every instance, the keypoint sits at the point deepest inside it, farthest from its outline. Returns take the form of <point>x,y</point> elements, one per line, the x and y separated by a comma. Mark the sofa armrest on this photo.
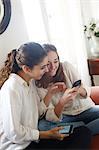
<point>95,94</point>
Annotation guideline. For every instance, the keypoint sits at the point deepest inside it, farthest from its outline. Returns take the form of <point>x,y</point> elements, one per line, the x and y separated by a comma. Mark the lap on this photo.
<point>68,142</point>
<point>90,117</point>
<point>94,126</point>
<point>45,125</point>
<point>86,116</point>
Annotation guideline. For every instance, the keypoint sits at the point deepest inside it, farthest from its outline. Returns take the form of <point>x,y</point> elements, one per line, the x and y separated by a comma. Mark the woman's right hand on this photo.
<point>53,89</point>
<point>57,87</point>
<point>53,134</point>
<point>68,96</point>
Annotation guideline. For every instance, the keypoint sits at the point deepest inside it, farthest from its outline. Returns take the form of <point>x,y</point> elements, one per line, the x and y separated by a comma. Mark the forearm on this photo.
<point>47,99</point>
<point>44,134</point>
<point>83,92</point>
<point>59,108</point>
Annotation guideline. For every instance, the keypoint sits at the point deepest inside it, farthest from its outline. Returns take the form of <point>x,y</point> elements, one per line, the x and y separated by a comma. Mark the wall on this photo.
<point>16,32</point>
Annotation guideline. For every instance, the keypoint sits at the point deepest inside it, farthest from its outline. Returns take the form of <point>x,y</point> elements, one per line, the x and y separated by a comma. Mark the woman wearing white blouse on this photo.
<point>20,106</point>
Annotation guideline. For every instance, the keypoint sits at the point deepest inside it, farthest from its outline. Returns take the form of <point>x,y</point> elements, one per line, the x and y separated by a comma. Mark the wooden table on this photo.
<point>93,65</point>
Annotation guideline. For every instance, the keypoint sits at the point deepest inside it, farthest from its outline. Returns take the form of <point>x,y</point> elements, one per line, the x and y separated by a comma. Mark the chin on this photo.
<point>39,77</point>
<point>53,74</point>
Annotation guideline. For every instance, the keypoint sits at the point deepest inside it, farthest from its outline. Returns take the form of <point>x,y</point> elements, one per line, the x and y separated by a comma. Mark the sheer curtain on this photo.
<point>90,9</point>
<point>59,22</point>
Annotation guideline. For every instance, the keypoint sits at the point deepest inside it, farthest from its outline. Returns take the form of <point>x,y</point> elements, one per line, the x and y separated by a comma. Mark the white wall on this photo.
<point>16,32</point>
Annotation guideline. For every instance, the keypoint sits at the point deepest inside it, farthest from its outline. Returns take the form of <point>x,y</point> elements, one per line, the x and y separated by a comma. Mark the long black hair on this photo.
<point>29,54</point>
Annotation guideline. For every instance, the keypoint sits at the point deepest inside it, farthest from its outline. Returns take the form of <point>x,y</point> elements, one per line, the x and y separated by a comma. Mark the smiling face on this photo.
<point>53,62</point>
<point>39,70</point>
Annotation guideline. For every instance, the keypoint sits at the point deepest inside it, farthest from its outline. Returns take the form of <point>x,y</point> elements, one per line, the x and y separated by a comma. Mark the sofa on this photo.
<point>95,97</point>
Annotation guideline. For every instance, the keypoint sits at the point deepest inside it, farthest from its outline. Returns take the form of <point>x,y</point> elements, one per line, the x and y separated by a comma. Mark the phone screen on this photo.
<point>66,130</point>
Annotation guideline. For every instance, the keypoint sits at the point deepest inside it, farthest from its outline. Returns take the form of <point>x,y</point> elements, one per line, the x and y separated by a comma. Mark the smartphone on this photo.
<point>76,83</point>
<point>66,130</point>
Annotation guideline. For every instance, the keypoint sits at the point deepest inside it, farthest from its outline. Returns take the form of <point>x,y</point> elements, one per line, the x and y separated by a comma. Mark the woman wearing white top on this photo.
<point>51,87</point>
<point>20,106</point>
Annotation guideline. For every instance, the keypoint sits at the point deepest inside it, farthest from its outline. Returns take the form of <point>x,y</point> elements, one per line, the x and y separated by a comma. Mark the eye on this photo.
<point>56,61</point>
<point>48,65</point>
<point>43,67</point>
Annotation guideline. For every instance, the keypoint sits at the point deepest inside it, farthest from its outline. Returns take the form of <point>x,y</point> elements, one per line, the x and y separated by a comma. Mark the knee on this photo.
<point>83,130</point>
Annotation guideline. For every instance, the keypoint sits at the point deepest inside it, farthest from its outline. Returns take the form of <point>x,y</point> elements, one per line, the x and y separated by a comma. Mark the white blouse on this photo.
<point>20,109</point>
<point>79,104</point>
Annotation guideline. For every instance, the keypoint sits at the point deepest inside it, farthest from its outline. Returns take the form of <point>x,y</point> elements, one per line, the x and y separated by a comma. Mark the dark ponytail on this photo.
<point>29,54</point>
<point>10,66</point>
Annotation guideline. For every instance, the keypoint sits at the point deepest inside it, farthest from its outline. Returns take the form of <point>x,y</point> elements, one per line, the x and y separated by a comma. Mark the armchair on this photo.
<point>95,97</point>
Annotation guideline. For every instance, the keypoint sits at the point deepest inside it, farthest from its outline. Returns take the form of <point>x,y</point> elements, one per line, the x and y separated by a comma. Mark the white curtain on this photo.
<point>59,22</point>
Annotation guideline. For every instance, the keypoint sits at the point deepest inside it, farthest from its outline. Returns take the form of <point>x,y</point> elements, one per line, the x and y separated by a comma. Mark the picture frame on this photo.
<point>5,14</point>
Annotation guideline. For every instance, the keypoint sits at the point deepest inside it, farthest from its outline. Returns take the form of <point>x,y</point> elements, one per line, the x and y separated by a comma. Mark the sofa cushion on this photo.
<point>95,94</point>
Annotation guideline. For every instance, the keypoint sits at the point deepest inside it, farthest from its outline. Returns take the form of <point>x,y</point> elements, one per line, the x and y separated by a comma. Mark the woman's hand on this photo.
<point>82,91</point>
<point>53,134</point>
<point>69,95</point>
<point>57,87</point>
<point>53,89</point>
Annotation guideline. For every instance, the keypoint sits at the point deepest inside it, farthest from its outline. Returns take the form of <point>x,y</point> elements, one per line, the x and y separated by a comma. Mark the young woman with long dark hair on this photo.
<point>59,79</point>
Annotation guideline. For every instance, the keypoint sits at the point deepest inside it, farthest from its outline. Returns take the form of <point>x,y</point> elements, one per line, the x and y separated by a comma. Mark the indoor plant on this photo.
<point>92,33</point>
<point>92,29</point>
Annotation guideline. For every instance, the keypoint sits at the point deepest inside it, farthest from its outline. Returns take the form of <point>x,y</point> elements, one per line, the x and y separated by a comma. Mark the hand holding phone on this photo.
<point>66,130</point>
<point>77,83</point>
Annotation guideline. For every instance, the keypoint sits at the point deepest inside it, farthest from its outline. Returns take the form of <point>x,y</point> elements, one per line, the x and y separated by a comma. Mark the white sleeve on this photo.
<point>13,129</point>
<point>48,112</point>
<point>74,76</point>
<point>44,110</point>
<point>71,72</point>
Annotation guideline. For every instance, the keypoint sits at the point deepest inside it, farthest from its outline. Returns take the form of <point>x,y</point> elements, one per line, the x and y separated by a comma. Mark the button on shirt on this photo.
<point>20,109</point>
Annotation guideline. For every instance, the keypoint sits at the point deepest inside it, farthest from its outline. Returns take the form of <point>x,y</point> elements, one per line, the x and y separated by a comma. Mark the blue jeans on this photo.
<point>94,126</point>
<point>90,117</point>
<point>86,116</point>
<point>45,125</point>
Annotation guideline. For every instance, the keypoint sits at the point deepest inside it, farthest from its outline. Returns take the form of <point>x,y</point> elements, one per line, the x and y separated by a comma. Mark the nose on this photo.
<point>46,69</point>
<point>52,66</point>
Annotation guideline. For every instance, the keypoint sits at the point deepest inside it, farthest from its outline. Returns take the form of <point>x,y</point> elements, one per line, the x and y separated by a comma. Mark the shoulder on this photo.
<point>67,66</point>
<point>11,85</point>
<point>71,71</point>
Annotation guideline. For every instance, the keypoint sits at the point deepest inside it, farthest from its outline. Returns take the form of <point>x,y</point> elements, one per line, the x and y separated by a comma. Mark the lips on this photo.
<point>53,71</point>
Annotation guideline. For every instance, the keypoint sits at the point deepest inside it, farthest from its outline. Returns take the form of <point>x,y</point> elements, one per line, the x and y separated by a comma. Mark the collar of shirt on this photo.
<point>19,79</point>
